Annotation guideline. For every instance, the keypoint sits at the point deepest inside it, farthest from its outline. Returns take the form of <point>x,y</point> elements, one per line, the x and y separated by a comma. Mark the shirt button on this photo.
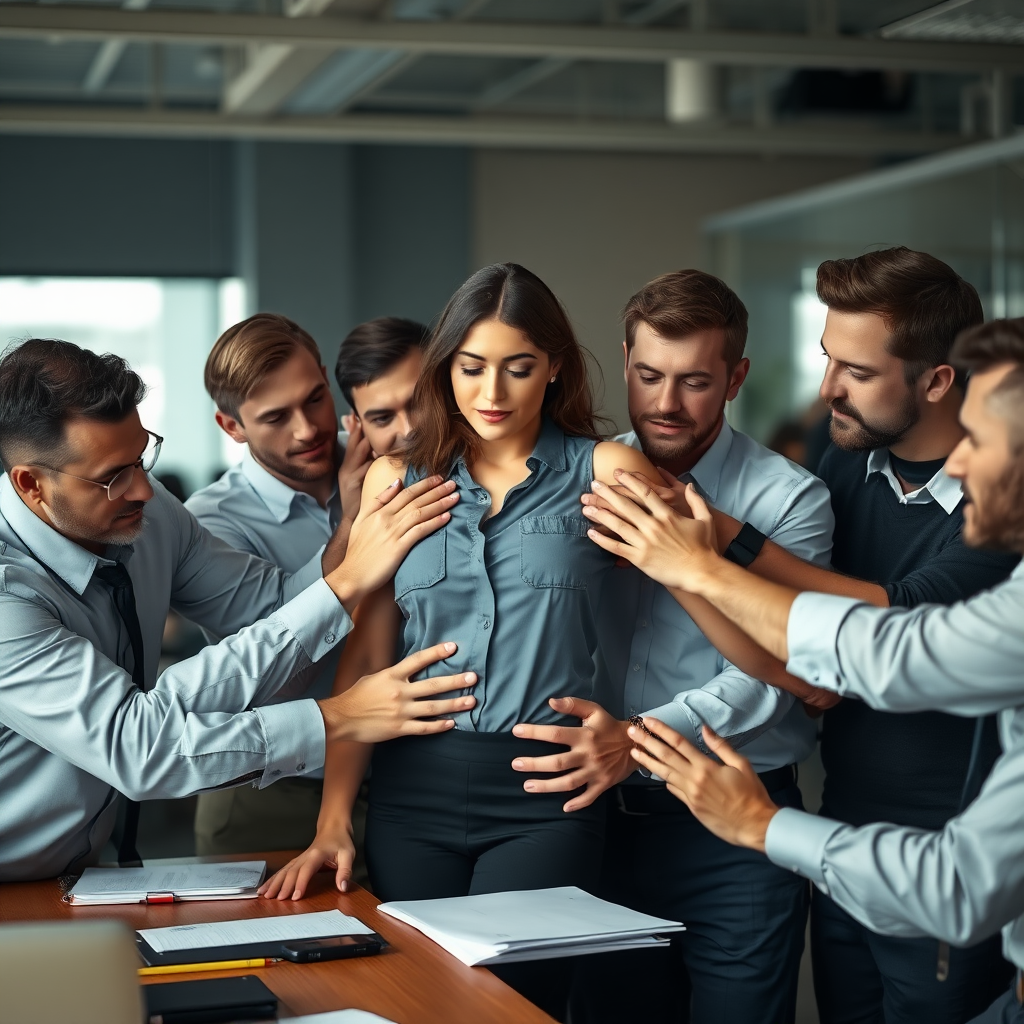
<point>483,499</point>
<point>330,638</point>
<point>487,623</point>
<point>643,625</point>
<point>636,668</point>
<point>301,766</point>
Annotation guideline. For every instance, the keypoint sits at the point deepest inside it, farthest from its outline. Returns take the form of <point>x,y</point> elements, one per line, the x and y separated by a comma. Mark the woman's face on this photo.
<point>499,378</point>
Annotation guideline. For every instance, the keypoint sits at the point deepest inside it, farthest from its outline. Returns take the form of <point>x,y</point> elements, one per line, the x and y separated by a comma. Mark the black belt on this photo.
<point>656,799</point>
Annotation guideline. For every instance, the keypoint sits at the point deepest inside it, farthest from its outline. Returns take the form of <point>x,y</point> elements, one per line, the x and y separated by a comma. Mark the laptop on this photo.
<point>81,971</point>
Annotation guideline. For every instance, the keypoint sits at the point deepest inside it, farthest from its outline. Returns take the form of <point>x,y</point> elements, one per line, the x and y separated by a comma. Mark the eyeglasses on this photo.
<point>122,479</point>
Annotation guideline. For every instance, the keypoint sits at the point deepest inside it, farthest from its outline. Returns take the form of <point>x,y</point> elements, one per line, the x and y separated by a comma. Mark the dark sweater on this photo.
<point>904,769</point>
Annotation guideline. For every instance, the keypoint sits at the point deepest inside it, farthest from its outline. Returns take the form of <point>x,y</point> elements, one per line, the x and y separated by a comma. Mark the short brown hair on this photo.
<point>244,354</point>
<point>924,303</point>
<point>685,301</point>
<point>995,344</point>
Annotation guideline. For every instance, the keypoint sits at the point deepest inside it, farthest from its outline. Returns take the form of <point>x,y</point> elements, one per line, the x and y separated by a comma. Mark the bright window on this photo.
<point>163,327</point>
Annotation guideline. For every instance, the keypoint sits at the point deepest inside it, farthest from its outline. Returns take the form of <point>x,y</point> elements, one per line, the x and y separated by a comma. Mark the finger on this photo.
<point>563,784</point>
<point>425,487</point>
<point>309,867</point>
<point>723,751</point>
<point>419,660</point>
<point>270,887</point>
<point>611,545</point>
<point>387,495</point>
<point>672,739</point>
<point>546,733</point>
<point>349,423</point>
<point>576,706</point>
<point>671,481</point>
<point>698,506</point>
<point>287,886</point>
<point>436,708</point>
<point>343,874</point>
<point>438,684</point>
<point>642,487</point>
<point>412,535</point>
<point>661,750</point>
<point>618,525</point>
<point>419,727</point>
<point>652,764</point>
<point>630,509</point>
<point>418,513</point>
<point>585,799</point>
<point>550,762</point>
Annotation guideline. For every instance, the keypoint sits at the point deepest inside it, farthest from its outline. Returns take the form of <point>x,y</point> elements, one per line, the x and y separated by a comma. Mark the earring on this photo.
<point>553,379</point>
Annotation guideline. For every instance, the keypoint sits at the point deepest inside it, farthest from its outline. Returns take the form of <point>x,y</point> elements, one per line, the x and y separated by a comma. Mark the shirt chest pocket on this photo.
<point>555,551</point>
<point>424,565</point>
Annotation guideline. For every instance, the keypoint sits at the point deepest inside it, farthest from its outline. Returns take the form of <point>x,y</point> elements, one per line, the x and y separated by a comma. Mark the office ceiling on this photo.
<point>877,78</point>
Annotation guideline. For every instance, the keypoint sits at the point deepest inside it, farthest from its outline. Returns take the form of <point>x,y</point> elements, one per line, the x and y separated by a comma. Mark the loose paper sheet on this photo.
<point>261,929</point>
<point>338,1017</point>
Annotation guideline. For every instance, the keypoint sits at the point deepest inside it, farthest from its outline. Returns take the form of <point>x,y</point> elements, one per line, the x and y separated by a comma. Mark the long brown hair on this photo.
<point>512,295</point>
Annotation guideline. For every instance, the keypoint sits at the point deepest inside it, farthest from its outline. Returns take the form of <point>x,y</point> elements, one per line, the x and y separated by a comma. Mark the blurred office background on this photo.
<point>170,166</point>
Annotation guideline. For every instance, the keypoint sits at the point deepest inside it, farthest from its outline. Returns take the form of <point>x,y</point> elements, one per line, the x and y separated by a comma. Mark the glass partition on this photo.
<point>965,207</point>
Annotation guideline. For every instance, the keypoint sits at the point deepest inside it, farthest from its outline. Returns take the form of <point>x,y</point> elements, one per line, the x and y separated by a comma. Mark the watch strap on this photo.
<point>745,546</point>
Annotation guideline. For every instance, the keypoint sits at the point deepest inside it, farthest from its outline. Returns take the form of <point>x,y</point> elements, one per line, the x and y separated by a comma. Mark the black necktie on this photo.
<point>120,583</point>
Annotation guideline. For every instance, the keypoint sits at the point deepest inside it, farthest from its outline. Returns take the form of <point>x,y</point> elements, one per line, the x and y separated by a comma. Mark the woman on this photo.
<point>504,407</point>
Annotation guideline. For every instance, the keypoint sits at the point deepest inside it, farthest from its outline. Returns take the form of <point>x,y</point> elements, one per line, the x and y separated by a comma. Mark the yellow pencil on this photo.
<point>220,965</point>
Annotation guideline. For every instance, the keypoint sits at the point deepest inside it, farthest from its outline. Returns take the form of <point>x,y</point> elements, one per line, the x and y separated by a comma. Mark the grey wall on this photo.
<point>596,227</point>
<point>115,207</point>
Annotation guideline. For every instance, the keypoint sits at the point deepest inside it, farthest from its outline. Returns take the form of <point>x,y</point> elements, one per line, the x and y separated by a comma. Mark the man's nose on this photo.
<point>302,427</point>
<point>668,398</point>
<point>830,389</point>
<point>403,426</point>
<point>140,489</point>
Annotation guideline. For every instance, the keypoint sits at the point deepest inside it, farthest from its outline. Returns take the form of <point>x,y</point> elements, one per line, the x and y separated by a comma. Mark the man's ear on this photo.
<point>231,426</point>
<point>736,378</point>
<point>938,380</point>
<point>27,482</point>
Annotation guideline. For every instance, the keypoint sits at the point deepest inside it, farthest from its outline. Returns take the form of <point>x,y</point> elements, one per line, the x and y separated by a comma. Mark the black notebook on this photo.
<point>212,1001</point>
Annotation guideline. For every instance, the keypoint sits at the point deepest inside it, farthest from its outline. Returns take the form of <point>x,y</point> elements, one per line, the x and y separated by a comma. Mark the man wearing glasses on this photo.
<point>92,556</point>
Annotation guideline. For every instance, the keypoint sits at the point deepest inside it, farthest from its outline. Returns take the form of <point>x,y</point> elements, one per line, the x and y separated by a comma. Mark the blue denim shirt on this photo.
<point>517,591</point>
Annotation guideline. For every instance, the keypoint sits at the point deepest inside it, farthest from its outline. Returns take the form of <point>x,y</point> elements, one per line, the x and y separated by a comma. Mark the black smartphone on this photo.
<point>336,947</point>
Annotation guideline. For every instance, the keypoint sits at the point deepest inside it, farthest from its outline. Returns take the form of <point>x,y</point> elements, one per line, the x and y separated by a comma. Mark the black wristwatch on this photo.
<point>746,545</point>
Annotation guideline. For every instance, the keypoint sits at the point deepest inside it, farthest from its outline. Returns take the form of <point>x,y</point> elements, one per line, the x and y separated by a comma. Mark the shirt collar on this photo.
<point>941,488</point>
<point>708,472</point>
<point>550,446</point>
<point>66,559</point>
<point>275,494</point>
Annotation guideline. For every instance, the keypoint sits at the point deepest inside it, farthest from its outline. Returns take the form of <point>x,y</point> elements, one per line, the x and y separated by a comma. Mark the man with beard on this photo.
<point>739,957</point>
<point>296,490</point>
<point>93,554</point>
<point>960,883</point>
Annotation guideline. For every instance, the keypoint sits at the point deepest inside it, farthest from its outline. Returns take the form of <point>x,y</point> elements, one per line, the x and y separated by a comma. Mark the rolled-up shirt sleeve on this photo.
<point>960,885</point>
<point>192,731</point>
<point>965,658</point>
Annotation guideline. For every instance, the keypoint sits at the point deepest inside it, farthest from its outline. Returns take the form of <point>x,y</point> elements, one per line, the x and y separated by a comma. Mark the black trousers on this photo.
<point>864,978</point>
<point>739,958</point>
<point>449,817</point>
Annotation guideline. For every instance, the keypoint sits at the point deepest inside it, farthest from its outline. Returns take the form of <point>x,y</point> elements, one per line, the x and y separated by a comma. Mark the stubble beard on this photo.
<point>998,524</point>
<point>868,436</point>
<point>66,521</point>
<point>293,471</point>
<point>667,452</point>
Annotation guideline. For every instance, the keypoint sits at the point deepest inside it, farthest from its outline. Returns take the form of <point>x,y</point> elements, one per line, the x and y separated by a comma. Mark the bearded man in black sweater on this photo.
<point>892,318</point>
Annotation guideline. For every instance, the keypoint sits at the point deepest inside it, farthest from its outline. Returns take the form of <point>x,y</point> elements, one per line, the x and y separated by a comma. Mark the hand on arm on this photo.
<point>728,798</point>
<point>680,554</point>
<point>386,528</point>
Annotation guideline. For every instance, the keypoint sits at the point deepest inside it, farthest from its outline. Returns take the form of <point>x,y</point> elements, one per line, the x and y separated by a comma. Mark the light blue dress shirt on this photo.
<point>965,882</point>
<point>517,591</point>
<point>672,672</point>
<point>253,511</point>
<point>75,730</point>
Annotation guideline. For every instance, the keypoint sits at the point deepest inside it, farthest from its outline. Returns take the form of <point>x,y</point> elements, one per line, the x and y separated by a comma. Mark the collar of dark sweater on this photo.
<point>916,473</point>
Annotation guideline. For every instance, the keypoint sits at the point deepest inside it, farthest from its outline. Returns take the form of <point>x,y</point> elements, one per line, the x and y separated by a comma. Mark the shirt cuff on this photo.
<point>317,619</point>
<point>295,737</point>
<point>796,841</point>
<point>812,636</point>
<point>680,718</point>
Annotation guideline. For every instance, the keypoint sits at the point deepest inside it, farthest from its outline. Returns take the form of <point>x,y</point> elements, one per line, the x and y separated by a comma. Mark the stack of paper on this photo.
<point>167,883</point>
<point>538,924</point>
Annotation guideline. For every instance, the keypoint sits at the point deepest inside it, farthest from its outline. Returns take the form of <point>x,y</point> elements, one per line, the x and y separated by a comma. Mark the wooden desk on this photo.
<point>413,982</point>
